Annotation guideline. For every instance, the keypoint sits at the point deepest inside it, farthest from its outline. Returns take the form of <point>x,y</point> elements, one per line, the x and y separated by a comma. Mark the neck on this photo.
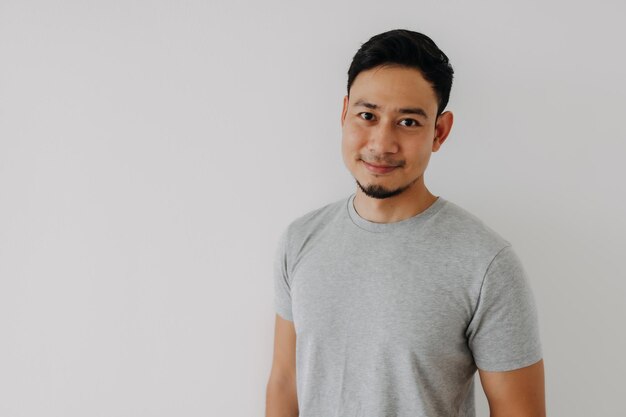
<point>407,204</point>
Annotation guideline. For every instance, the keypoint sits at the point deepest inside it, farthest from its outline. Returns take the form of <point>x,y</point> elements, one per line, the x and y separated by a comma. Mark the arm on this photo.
<point>281,395</point>
<point>517,393</point>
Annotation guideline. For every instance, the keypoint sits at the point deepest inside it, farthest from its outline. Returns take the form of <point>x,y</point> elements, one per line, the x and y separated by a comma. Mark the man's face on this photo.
<point>390,120</point>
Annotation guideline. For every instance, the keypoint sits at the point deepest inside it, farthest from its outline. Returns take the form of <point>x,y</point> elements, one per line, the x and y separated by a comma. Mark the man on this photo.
<point>388,301</point>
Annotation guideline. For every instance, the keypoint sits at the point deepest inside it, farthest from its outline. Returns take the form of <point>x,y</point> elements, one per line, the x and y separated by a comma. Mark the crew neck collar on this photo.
<point>416,220</point>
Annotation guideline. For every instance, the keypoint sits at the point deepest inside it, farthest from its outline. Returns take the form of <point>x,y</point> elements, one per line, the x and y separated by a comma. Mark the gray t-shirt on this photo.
<point>393,319</point>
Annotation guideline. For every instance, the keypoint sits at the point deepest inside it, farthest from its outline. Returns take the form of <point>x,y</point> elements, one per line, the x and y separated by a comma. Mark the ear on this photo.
<point>344,110</point>
<point>442,129</point>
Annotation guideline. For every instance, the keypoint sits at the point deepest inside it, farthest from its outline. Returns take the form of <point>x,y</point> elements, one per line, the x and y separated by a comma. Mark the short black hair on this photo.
<point>408,49</point>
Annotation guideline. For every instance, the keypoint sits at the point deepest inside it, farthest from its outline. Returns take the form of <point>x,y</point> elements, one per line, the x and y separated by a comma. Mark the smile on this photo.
<point>378,169</point>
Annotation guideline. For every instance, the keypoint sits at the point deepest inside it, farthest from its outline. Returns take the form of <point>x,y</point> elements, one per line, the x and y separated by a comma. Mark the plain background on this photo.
<point>151,152</point>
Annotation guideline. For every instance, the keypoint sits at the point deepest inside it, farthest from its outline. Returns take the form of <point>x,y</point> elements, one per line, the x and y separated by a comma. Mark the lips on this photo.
<point>379,169</point>
<point>380,166</point>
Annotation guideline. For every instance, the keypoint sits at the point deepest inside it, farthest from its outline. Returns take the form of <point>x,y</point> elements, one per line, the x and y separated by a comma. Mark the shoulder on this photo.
<point>312,223</point>
<point>463,231</point>
<point>314,220</point>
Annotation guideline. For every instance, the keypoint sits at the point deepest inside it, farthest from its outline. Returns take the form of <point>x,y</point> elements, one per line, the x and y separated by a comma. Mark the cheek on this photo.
<point>353,135</point>
<point>422,156</point>
<point>352,143</point>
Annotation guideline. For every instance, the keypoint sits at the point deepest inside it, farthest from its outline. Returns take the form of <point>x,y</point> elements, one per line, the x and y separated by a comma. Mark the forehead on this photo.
<point>393,87</point>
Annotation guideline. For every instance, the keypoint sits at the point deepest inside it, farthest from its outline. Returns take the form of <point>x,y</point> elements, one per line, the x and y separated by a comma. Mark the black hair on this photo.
<point>408,49</point>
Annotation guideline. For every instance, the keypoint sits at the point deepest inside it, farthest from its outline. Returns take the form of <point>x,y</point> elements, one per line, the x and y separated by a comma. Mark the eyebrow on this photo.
<point>408,110</point>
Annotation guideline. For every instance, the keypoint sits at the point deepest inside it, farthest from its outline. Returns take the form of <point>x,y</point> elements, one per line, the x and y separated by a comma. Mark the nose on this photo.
<point>382,139</point>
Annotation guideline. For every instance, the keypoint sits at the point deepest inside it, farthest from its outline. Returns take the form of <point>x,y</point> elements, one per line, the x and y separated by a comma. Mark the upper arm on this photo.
<point>284,360</point>
<point>516,393</point>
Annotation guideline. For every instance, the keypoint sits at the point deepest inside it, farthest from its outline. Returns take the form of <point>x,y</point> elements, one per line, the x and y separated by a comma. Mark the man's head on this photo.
<point>393,115</point>
<point>408,49</point>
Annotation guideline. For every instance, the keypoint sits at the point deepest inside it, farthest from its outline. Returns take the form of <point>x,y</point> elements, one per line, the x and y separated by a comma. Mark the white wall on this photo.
<point>151,152</point>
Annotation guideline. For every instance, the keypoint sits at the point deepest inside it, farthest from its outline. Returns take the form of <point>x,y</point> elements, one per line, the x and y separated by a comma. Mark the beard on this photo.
<point>380,192</point>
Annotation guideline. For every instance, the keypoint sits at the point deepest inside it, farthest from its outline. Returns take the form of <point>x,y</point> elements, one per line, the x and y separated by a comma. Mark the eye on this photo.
<point>366,113</point>
<point>415,122</point>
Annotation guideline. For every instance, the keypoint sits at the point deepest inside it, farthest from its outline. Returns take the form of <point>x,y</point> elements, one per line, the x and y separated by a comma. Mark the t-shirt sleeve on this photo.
<point>282,290</point>
<point>503,333</point>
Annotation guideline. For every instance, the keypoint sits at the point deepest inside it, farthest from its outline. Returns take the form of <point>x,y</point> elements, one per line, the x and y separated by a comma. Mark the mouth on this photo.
<point>379,169</point>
